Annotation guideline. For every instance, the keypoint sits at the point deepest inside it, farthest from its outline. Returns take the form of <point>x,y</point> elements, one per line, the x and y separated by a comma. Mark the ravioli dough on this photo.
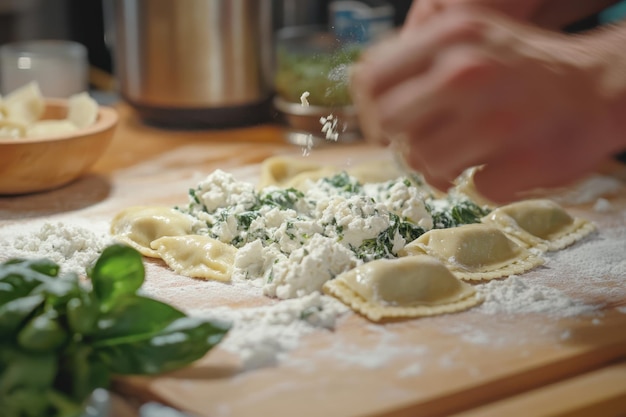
<point>375,171</point>
<point>464,185</point>
<point>540,223</point>
<point>413,286</point>
<point>284,171</point>
<point>140,225</point>
<point>197,256</point>
<point>474,251</point>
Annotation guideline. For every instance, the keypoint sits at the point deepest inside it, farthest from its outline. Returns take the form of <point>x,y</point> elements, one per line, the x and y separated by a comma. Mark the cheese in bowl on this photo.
<point>46,143</point>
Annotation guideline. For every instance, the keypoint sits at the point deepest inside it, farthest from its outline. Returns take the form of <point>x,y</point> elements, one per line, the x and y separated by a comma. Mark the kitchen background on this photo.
<point>84,21</point>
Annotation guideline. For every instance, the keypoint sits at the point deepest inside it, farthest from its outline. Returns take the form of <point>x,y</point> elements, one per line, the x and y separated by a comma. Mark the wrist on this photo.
<point>606,62</point>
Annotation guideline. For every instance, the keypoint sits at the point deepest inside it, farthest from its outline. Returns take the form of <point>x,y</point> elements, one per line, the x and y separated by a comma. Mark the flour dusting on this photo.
<point>73,246</point>
<point>515,295</point>
<point>588,190</point>
<point>262,336</point>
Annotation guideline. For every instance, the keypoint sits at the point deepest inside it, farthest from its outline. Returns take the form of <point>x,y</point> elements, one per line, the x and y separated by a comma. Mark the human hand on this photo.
<point>554,14</point>
<point>422,10</point>
<point>469,88</point>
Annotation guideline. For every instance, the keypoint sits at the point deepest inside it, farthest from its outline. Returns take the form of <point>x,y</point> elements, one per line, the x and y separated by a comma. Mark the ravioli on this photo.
<point>540,223</point>
<point>474,251</point>
<point>414,286</point>
<point>140,225</point>
<point>197,256</point>
<point>375,171</point>
<point>284,172</point>
<point>464,185</point>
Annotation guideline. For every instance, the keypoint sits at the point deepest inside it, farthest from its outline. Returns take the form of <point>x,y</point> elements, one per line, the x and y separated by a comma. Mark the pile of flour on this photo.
<point>73,246</point>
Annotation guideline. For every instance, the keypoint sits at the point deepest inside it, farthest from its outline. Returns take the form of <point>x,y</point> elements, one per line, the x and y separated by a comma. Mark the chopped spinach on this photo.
<point>344,182</point>
<point>458,213</point>
<point>283,199</point>
<point>382,245</point>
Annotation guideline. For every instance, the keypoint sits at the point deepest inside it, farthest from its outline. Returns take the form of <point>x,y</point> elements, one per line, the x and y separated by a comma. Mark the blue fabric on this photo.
<point>614,13</point>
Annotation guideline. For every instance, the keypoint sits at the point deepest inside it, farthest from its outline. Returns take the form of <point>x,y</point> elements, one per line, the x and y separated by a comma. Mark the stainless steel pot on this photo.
<point>195,62</point>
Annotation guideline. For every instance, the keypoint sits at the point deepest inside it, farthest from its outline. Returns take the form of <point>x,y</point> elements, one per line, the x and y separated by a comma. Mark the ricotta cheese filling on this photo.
<point>291,241</point>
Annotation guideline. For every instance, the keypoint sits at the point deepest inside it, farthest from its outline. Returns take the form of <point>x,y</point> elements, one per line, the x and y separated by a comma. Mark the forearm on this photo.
<point>606,58</point>
<point>556,14</point>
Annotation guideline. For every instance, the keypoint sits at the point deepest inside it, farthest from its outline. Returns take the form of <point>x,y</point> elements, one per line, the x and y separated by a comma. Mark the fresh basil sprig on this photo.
<point>60,339</point>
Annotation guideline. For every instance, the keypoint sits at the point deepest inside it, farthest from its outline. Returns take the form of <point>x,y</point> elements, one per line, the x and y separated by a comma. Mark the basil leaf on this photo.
<point>26,369</point>
<point>82,313</point>
<point>17,281</point>
<point>15,312</point>
<point>43,266</point>
<point>179,344</point>
<point>43,333</point>
<point>82,372</point>
<point>25,402</point>
<point>134,317</point>
<point>118,271</point>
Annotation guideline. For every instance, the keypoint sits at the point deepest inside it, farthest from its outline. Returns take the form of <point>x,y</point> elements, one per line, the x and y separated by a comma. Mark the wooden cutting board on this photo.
<point>426,367</point>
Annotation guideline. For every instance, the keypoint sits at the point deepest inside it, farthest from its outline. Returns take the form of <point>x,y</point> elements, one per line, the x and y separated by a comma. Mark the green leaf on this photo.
<point>18,281</point>
<point>26,369</point>
<point>43,333</point>
<point>82,313</point>
<point>179,344</point>
<point>118,271</point>
<point>26,402</point>
<point>43,266</point>
<point>134,317</point>
<point>81,373</point>
<point>14,313</point>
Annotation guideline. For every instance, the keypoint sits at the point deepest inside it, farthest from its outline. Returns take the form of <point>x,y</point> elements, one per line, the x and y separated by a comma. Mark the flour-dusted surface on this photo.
<point>72,244</point>
<point>276,361</point>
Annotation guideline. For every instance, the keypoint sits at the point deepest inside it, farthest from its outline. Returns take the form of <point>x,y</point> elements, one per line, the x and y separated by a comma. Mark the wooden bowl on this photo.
<point>43,163</point>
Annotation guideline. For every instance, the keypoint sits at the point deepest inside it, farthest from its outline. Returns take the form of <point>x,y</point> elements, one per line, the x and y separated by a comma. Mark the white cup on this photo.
<point>58,66</point>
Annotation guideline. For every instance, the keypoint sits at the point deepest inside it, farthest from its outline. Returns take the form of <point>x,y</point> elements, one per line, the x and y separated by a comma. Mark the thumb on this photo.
<point>421,11</point>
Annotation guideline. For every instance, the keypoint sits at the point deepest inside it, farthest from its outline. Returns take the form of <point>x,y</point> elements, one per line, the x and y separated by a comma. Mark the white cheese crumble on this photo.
<point>304,99</point>
<point>291,242</point>
<point>329,127</point>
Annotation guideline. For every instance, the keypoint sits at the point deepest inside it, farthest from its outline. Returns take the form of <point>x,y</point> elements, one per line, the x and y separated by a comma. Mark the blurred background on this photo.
<point>84,21</point>
<point>210,63</point>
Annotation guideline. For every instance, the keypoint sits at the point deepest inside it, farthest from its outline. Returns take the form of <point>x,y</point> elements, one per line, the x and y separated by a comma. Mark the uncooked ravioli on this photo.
<point>474,251</point>
<point>413,286</point>
<point>540,223</point>
<point>139,226</point>
<point>287,172</point>
<point>197,256</point>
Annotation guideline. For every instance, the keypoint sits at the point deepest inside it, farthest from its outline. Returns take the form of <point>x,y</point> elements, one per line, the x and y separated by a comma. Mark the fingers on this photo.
<point>401,76</point>
<point>546,164</point>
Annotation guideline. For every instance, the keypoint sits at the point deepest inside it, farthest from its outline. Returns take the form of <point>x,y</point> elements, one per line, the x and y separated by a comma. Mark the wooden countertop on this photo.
<point>547,376</point>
